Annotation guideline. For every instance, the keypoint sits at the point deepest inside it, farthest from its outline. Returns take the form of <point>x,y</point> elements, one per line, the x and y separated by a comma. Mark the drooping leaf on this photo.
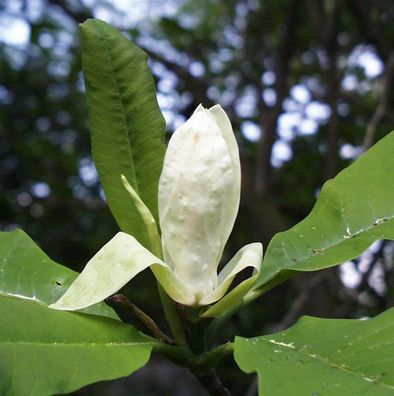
<point>45,352</point>
<point>27,272</point>
<point>323,357</point>
<point>354,209</point>
<point>126,124</point>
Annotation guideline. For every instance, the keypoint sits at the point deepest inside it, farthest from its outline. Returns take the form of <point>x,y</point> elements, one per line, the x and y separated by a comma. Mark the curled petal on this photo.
<point>230,300</point>
<point>249,256</point>
<point>117,262</point>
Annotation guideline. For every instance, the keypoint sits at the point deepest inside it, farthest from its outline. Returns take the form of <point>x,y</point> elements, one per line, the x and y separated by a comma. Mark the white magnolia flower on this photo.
<point>199,193</point>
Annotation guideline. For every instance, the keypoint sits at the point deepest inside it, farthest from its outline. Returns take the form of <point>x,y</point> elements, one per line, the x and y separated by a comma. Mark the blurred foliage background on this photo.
<point>307,85</point>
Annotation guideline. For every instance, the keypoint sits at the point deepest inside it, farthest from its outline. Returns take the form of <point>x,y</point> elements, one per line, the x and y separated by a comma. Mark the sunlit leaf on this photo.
<point>354,209</point>
<point>45,352</point>
<point>329,357</point>
<point>27,272</point>
<point>126,124</point>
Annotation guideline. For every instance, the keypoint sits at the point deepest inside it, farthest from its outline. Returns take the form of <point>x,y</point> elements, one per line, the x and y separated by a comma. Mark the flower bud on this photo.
<point>199,192</point>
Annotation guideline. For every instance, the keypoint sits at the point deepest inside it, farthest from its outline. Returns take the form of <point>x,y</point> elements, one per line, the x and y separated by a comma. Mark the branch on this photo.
<point>119,301</point>
<point>197,86</point>
<point>253,387</point>
<point>317,19</point>
<point>211,382</point>
<point>267,140</point>
<point>353,303</point>
<point>77,16</point>
<point>368,29</point>
<point>296,308</point>
<point>327,33</point>
<point>364,283</point>
<point>383,103</point>
<point>331,47</point>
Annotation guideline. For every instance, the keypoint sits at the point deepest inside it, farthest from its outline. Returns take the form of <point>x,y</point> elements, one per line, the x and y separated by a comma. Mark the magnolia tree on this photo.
<point>176,209</point>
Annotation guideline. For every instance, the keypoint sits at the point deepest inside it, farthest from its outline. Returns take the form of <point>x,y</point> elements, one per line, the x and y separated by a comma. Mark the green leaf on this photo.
<point>45,352</point>
<point>126,124</point>
<point>27,272</point>
<point>323,357</point>
<point>354,209</point>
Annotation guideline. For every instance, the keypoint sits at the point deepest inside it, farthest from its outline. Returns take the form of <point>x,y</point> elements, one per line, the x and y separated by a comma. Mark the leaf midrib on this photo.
<point>104,38</point>
<point>80,344</point>
<point>316,356</point>
<point>322,250</point>
<point>22,297</point>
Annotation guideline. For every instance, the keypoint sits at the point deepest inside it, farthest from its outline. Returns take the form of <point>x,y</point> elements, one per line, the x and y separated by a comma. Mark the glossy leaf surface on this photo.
<point>27,272</point>
<point>354,209</point>
<point>323,357</point>
<point>126,124</point>
<point>45,352</point>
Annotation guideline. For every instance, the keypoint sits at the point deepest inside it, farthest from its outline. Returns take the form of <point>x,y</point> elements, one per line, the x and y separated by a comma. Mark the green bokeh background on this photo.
<point>302,82</point>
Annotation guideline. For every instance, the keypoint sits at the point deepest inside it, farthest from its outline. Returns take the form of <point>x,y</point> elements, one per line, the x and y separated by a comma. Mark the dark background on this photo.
<point>306,84</point>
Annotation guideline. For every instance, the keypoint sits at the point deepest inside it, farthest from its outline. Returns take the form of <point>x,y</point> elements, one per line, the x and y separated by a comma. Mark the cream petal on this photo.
<point>230,300</point>
<point>250,255</point>
<point>173,285</point>
<point>233,198</point>
<point>224,124</point>
<point>199,192</point>
<point>117,262</point>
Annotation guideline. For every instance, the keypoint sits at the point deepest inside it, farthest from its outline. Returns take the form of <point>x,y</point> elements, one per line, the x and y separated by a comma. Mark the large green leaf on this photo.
<point>354,209</point>
<point>126,124</point>
<point>45,352</point>
<point>323,357</point>
<point>27,272</point>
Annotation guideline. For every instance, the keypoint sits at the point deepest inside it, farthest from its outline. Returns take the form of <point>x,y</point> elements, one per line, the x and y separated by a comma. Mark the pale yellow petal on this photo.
<point>115,264</point>
<point>249,256</point>
<point>230,300</point>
